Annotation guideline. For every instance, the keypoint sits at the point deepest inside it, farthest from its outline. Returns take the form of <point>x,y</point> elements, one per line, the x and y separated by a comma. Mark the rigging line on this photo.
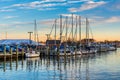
<point>67,26</point>
<point>91,32</point>
<point>75,32</point>
<point>75,35</point>
<point>71,29</point>
<point>52,29</point>
<point>63,27</point>
<point>70,33</point>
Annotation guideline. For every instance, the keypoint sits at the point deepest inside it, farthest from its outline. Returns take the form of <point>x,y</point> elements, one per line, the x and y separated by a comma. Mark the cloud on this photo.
<point>16,24</point>
<point>54,0</point>
<point>87,6</point>
<point>113,19</point>
<point>77,1</point>
<point>39,5</point>
<point>69,15</point>
<point>10,17</point>
<point>47,22</point>
<point>3,25</point>
<point>102,20</point>
<point>41,9</point>
<point>6,10</point>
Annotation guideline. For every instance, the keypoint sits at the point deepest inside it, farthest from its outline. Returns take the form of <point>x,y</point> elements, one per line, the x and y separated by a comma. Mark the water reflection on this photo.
<point>88,67</point>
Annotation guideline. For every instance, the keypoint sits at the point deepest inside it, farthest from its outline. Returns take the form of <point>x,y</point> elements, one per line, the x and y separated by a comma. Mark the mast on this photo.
<point>37,38</point>
<point>55,31</point>
<point>72,28</point>
<point>35,31</point>
<point>66,27</point>
<point>76,29</point>
<point>87,32</point>
<point>60,27</point>
<point>80,29</point>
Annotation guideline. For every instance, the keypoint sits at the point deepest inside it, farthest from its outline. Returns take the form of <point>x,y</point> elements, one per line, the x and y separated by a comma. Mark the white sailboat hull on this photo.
<point>31,55</point>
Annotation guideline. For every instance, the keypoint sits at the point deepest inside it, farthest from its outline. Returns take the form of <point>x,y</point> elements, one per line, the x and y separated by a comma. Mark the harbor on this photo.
<point>59,40</point>
<point>12,51</point>
<point>58,44</point>
<point>90,67</point>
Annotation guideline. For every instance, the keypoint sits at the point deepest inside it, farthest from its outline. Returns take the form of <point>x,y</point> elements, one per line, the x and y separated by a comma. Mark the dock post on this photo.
<point>4,51</point>
<point>65,50</point>
<point>47,51</point>
<point>75,51</point>
<point>22,52</point>
<point>17,63</point>
<point>11,63</point>
<point>28,49</point>
<point>4,64</point>
<point>10,58</point>
<point>16,50</point>
<point>11,52</point>
<point>58,52</point>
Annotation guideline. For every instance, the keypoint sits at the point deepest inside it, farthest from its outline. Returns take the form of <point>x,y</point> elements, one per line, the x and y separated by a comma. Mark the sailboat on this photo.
<point>32,53</point>
<point>64,49</point>
<point>88,49</point>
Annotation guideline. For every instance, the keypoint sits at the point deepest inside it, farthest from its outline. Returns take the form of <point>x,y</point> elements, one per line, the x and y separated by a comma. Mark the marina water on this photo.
<point>100,66</point>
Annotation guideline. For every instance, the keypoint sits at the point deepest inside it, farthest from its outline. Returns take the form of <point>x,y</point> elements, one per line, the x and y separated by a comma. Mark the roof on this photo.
<point>18,42</point>
<point>52,41</point>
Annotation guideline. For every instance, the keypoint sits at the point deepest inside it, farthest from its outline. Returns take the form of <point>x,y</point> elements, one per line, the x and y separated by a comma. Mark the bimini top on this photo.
<point>18,42</point>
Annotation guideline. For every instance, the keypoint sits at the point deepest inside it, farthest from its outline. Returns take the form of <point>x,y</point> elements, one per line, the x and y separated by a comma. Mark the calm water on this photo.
<point>102,66</point>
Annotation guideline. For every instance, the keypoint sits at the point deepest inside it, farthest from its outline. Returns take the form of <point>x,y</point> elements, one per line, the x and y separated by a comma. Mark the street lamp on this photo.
<point>30,33</point>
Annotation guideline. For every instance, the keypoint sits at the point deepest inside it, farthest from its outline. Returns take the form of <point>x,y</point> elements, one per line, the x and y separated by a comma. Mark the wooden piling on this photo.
<point>75,52</point>
<point>4,51</point>
<point>22,52</point>
<point>16,50</point>
<point>11,52</point>
<point>58,53</point>
<point>47,51</point>
<point>4,64</point>
<point>27,48</point>
<point>11,64</point>
<point>65,49</point>
<point>17,63</point>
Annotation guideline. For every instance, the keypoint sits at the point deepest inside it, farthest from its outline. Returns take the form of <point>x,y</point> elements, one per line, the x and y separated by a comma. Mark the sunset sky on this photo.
<point>17,17</point>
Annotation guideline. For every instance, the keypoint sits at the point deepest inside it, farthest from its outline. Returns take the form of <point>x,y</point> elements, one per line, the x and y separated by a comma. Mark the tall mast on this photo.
<point>79,28</point>
<point>37,38</point>
<point>66,27</point>
<point>55,30</point>
<point>76,29</point>
<point>87,31</point>
<point>60,27</point>
<point>35,31</point>
<point>72,27</point>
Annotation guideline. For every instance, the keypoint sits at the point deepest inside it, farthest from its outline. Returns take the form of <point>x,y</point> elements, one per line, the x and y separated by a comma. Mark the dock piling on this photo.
<point>22,52</point>
<point>11,52</point>
<point>16,50</point>
<point>4,51</point>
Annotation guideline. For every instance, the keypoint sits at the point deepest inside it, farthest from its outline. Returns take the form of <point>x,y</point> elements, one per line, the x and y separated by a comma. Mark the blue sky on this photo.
<point>17,16</point>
